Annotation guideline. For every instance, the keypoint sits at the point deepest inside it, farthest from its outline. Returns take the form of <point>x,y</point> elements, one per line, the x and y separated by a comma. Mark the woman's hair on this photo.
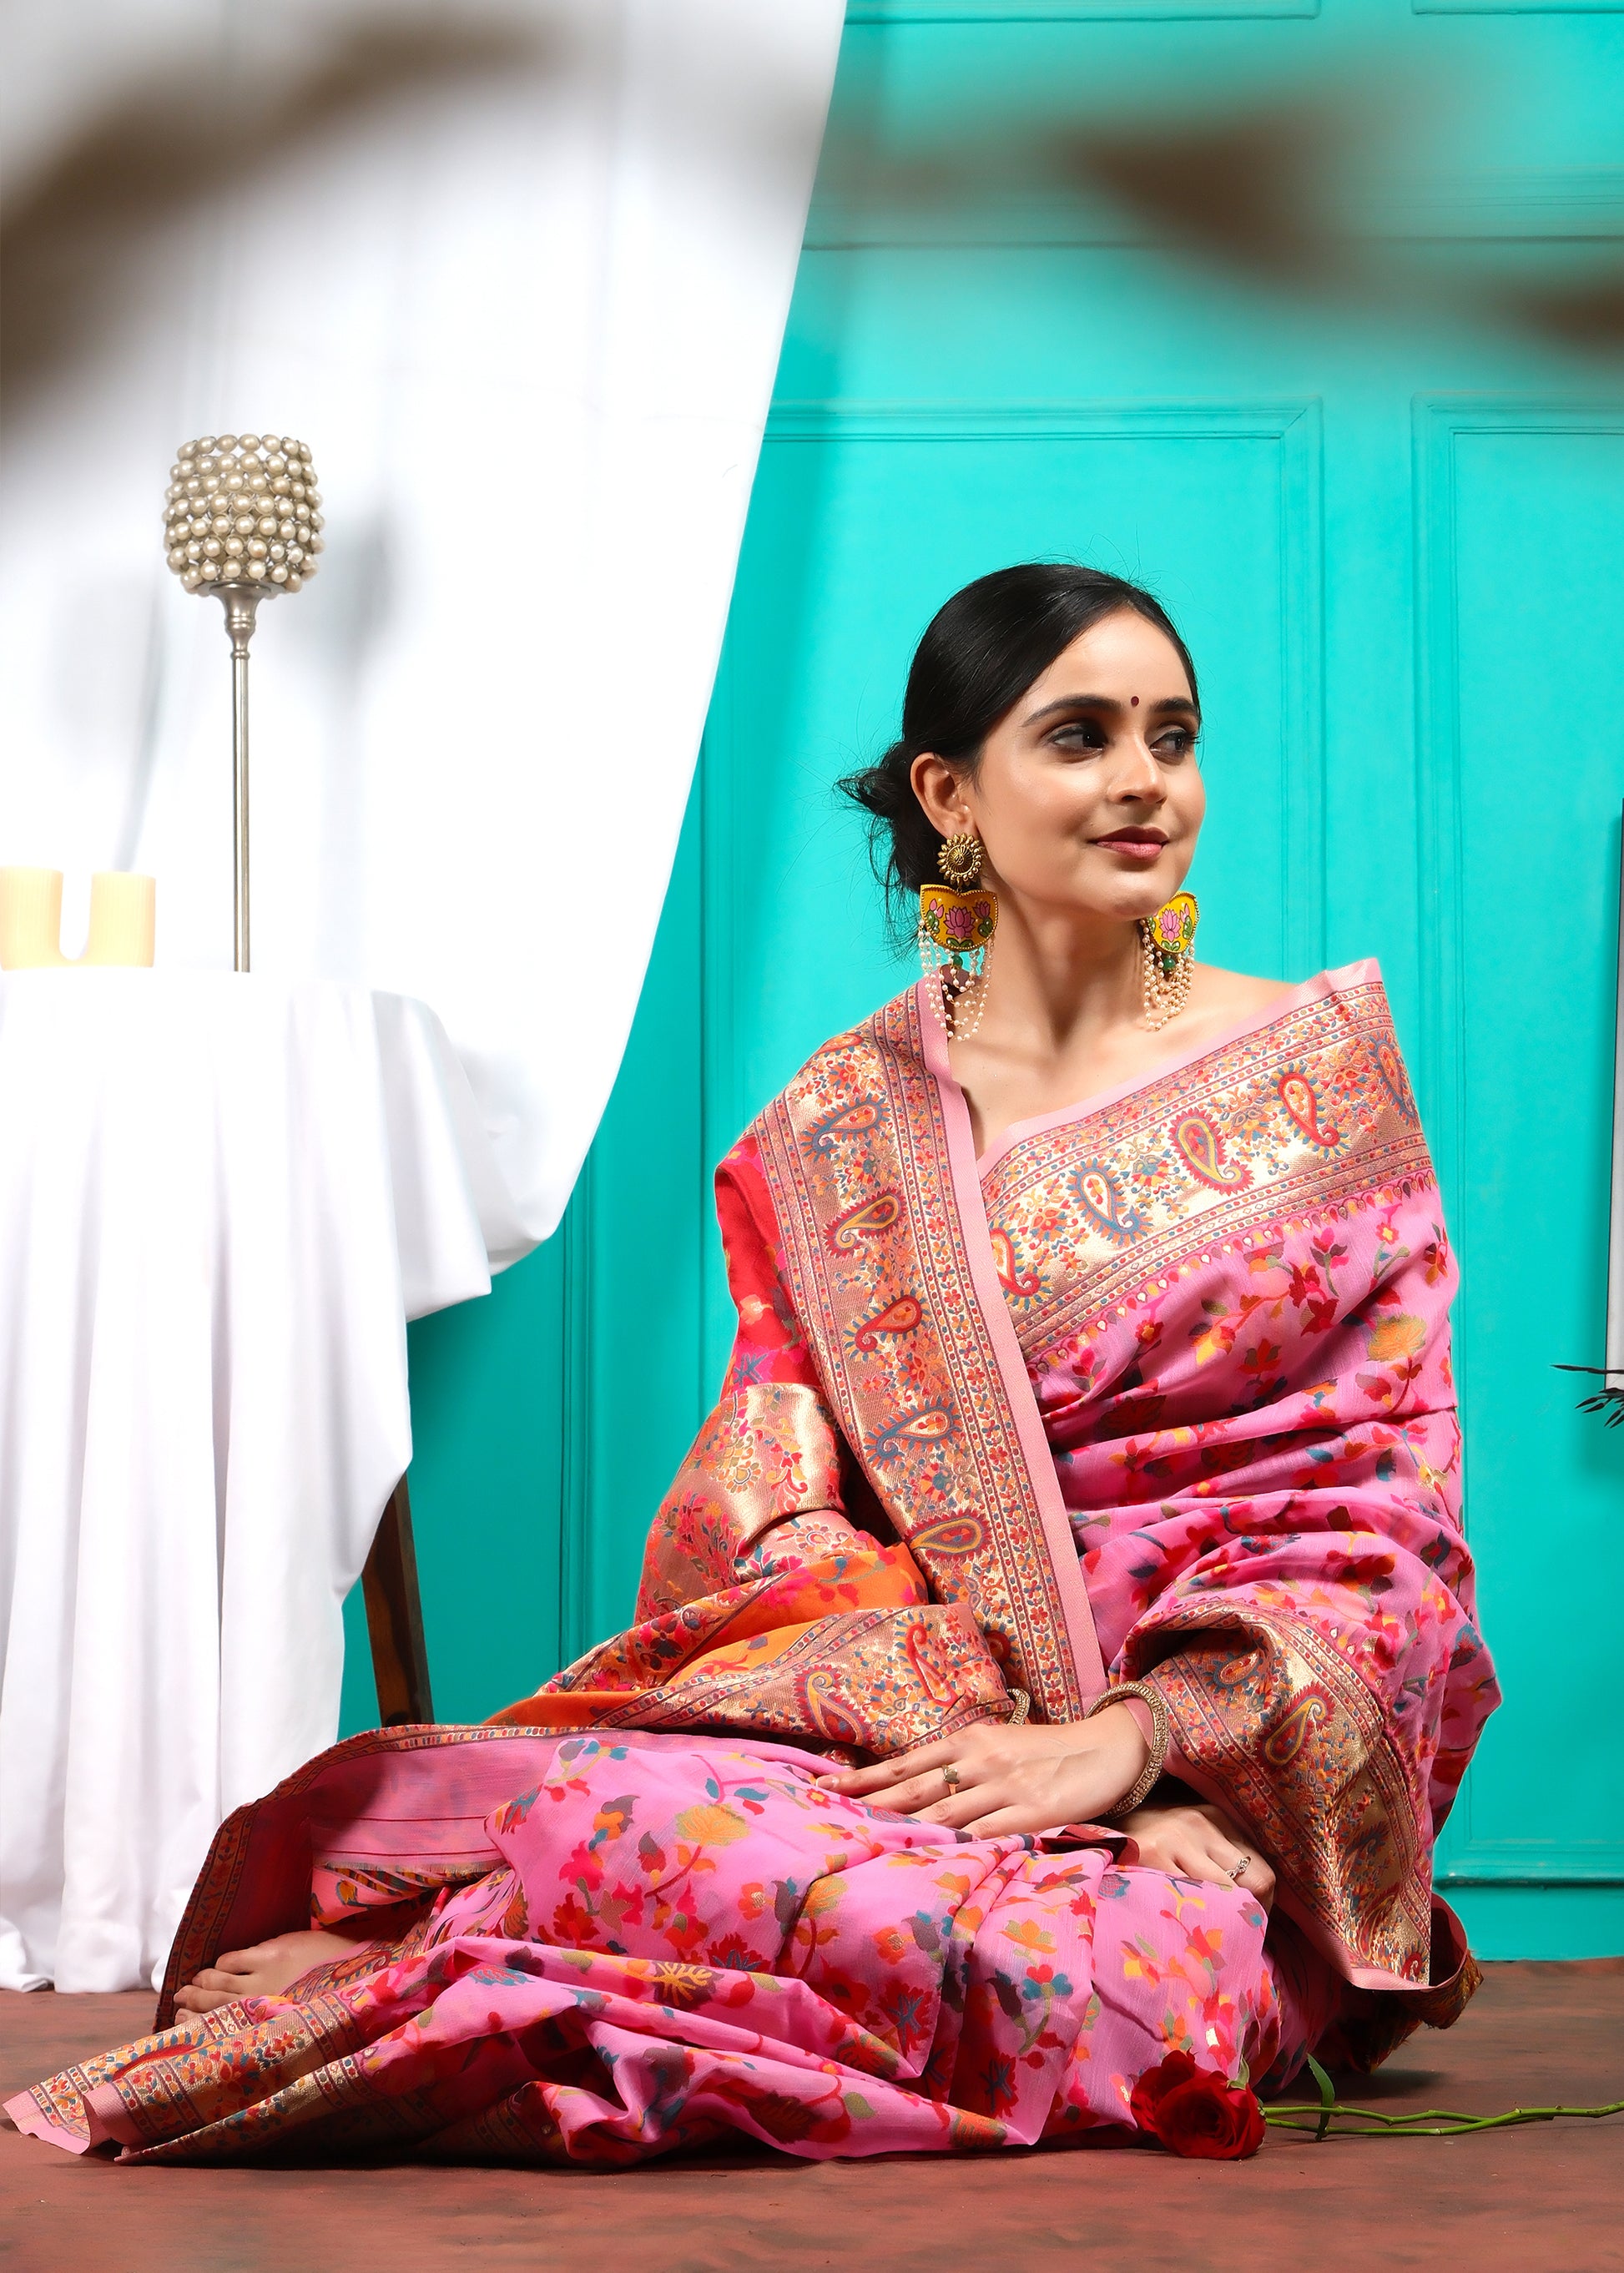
<point>980,654</point>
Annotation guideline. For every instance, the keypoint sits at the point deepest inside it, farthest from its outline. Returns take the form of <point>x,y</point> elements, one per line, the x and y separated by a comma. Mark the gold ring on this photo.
<point>950,1776</point>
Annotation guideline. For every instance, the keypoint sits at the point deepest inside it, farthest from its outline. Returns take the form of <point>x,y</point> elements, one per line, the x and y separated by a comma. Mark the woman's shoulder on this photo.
<point>1228,995</point>
<point>1222,1001</point>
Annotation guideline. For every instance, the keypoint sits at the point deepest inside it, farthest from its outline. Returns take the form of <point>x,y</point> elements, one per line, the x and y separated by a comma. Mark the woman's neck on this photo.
<point>1059,982</point>
<point>1064,1019</point>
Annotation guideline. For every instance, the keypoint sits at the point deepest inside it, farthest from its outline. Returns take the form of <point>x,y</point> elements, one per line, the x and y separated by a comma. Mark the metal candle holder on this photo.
<point>241,519</point>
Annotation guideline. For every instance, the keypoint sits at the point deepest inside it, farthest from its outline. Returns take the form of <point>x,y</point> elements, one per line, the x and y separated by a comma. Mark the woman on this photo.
<point>1056,1652</point>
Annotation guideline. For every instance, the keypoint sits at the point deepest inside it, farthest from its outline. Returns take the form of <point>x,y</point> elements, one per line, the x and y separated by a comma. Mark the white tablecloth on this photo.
<point>221,1198</point>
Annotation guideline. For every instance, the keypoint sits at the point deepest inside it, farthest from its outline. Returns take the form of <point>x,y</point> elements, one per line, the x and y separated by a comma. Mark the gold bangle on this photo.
<point>1161,1732</point>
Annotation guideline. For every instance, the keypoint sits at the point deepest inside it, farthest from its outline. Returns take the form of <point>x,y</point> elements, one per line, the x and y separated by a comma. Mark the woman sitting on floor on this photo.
<point>1057,1649</point>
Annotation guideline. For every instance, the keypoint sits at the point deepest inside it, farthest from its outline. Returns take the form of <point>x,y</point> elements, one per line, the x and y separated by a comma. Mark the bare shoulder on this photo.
<point>1223,995</point>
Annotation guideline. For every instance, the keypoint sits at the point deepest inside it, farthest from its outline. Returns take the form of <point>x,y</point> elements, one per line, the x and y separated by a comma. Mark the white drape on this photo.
<point>221,1198</point>
<point>518,275</point>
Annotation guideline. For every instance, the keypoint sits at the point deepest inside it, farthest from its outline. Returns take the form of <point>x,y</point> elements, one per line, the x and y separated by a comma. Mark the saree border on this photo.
<point>1350,1856</point>
<point>1382,1155</point>
<point>1365,971</point>
<point>1052,1512</point>
<point>870,1219</point>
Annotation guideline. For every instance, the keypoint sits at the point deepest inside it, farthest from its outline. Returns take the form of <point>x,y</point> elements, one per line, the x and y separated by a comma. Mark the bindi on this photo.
<point>1134,700</point>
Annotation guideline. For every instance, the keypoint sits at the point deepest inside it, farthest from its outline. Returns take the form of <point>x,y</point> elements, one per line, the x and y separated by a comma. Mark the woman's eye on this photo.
<point>1177,742</point>
<point>1080,734</point>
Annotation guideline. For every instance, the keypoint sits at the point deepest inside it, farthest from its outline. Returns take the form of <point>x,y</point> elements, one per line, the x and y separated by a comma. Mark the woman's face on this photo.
<point>1087,797</point>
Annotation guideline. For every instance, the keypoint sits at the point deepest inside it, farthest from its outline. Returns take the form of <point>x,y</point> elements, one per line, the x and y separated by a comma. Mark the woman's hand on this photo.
<point>992,1778</point>
<point>1198,1841</point>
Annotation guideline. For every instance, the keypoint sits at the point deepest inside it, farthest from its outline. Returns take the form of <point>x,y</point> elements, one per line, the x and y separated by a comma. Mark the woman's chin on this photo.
<point>1122,896</point>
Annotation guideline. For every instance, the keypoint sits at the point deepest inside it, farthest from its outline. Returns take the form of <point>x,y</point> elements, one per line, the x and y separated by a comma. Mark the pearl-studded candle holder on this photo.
<point>242,508</point>
<point>242,519</point>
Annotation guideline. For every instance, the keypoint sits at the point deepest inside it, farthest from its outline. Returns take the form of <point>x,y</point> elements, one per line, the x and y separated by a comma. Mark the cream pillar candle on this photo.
<point>122,920</point>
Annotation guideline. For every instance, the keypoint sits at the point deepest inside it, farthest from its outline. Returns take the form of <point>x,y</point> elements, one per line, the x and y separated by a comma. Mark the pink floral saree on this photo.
<point>1159,1390</point>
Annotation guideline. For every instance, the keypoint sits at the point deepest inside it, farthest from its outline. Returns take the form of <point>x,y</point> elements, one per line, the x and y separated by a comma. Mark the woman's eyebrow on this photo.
<point>1077,702</point>
<point>1180,704</point>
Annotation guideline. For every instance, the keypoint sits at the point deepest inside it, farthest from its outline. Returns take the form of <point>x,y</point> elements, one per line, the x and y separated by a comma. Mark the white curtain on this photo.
<point>518,273</point>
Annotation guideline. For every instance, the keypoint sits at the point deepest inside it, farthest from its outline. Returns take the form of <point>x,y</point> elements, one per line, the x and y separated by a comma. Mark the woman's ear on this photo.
<point>940,791</point>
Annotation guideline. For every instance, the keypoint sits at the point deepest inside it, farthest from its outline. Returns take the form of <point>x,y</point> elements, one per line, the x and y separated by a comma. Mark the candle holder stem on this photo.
<point>242,604</point>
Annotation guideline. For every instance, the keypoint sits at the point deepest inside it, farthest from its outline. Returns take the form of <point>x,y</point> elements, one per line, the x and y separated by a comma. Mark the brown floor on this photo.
<point>1549,2199</point>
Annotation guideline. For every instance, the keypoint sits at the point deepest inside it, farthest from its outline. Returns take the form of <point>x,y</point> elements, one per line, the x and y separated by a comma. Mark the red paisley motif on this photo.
<point>1285,1741</point>
<point>867,1221</point>
<point>1199,1144</point>
<point>899,1317</point>
<point>1301,1100</point>
<point>1011,1278</point>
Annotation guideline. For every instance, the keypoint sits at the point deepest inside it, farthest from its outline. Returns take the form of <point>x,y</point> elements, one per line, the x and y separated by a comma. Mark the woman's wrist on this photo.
<point>1125,1694</point>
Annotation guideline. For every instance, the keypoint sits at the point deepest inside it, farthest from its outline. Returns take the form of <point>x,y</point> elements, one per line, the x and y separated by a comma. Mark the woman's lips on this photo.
<point>1136,848</point>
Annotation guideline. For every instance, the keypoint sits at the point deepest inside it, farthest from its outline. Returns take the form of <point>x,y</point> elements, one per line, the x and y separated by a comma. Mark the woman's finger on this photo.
<point>931,1800</point>
<point>1242,1866</point>
<point>881,1775</point>
<point>1001,1822</point>
<point>1194,1859</point>
<point>1219,1862</point>
<point>920,1792</point>
<point>1258,1879</point>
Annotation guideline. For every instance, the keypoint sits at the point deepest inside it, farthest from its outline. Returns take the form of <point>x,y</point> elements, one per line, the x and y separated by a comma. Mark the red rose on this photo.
<point>1154,2085</point>
<point>1192,2111</point>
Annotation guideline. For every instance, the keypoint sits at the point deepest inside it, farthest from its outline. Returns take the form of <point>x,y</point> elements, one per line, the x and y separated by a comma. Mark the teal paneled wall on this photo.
<point>1383,504</point>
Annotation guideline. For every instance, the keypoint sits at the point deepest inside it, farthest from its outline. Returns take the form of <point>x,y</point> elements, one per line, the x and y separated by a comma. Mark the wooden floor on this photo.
<point>1549,2199</point>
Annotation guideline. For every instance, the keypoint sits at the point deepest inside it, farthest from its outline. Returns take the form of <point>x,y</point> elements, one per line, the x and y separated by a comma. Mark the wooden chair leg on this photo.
<point>394,1618</point>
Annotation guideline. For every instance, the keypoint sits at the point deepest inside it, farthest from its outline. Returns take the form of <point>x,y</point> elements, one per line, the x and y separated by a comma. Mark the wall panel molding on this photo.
<point>1535,1862</point>
<point>1469,1856</point>
<point>579,1406</point>
<point>1556,205</point>
<point>1076,11</point>
<point>1517,7</point>
<point>1439,422</point>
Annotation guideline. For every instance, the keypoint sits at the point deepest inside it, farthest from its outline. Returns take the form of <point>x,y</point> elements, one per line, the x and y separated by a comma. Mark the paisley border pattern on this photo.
<point>1172,1215</point>
<point>929,1410</point>
<point>1294,1743</point>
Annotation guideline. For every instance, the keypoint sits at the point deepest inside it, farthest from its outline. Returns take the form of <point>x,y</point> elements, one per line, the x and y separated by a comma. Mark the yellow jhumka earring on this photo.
<point>956,925</point>
<point>1167,943</point>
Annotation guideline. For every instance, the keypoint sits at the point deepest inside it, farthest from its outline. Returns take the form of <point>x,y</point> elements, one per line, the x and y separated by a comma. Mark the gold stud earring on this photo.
<point>960,858</point>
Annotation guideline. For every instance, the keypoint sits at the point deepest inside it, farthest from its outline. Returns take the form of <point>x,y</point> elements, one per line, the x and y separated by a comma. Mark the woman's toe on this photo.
<point>193,1999</point>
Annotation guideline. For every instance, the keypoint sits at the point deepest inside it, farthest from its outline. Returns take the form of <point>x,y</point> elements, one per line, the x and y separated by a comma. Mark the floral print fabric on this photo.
<point>685,1939</point>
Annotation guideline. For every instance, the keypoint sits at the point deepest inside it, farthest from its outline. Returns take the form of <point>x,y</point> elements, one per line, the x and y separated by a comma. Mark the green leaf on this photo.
<point>1328,2095</point>
<point>856,2106</point>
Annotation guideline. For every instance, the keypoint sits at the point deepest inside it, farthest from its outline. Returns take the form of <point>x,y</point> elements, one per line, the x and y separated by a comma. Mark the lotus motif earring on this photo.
<point>956,925</point>
<point>1168,944</point>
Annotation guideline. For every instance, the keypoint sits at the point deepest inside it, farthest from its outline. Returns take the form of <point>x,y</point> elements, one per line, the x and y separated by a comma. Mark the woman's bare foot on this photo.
<point>265,1971</point>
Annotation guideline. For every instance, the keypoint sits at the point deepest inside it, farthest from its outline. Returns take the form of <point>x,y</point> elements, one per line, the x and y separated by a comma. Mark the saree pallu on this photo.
<point>1160,1390</point>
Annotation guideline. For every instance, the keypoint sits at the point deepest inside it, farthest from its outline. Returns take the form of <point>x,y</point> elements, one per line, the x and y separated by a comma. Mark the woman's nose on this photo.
<point>1138,776</point>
